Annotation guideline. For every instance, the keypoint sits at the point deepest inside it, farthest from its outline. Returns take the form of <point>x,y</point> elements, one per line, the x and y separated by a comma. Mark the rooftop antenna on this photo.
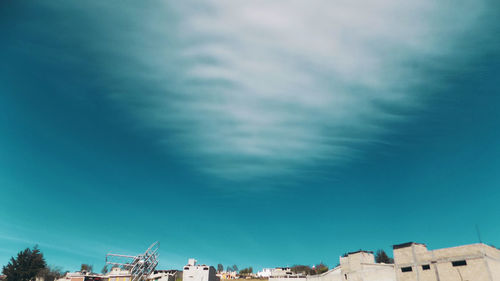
<point>140,266</point>
<point>478,234</point>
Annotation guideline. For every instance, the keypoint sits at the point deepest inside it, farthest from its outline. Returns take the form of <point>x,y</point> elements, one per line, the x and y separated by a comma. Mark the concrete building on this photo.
<point>164,275</point>
<point>81,276</point>
<point>227,275</point>
<point>475,262</point>
<point>265,273</point>
<point>281,271</point>
<point>355,266</point>
<point>361,266</point>
<point>117,274</point>
<point>194,272</point>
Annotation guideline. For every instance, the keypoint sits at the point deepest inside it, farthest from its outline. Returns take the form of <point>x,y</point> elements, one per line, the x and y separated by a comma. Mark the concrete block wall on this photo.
<point>476,262</point>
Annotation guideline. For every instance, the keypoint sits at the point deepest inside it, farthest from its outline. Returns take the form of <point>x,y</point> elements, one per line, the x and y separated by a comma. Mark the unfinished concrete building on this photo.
<point>355,266</point>
<point>164,275</point>
<point>81,276</point>
<point>475,262</point>
<point>194,272</point>
<point>361,266</point>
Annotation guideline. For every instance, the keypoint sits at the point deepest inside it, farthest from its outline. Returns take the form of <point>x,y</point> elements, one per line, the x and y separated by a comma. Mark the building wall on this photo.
<point>162,276</point>
<point>118,274</point>
<point>361,266</point>
<point>375,272</point>
<point>117,278</point>
<point>494,267</point>
<point>78,278</point>
<point>482,263</point>
<point>330,275</point>
<point>199,273</point>
<point>354,261</point>
<point>474,270</point>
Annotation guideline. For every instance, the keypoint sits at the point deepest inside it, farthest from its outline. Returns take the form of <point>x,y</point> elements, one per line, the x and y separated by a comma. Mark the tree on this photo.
<point>321,268</point>
<point>246,271</point>
<point>228,269</point>
<point>26,266</point>
<point>220,268</point>
<point>301,269</point>
<point>86,267</point>
<point>105,269</point>
<point>50,273</point>
<point>318,269</point>
<point>235,268</point>
<point>382,257</point>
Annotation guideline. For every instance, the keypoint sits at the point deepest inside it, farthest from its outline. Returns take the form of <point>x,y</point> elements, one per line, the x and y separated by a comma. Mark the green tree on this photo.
<point>382,257</point>
<point>86,267</point>
<point>220,268</point>
<point>105,269</point>
<point>301,269</point>
<point>246,271</point>
<point>26,266</point>
<point>51,273</point>
<point>235,268</point>
<point>320,268</point>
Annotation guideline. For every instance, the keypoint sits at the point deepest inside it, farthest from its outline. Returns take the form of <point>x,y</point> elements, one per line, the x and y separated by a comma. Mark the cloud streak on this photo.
<point>248,89</point>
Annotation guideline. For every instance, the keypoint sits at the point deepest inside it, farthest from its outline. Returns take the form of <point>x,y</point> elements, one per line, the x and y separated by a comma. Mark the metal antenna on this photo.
<point>140,266</point>
<point>478,234</point>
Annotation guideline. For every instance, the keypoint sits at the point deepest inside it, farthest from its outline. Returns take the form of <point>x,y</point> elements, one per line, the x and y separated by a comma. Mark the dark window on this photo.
<point>459,263</point>
<point>406,269</point>
<point>426,267</point>
<point>345,275</point>
<point>186,268</point>
<point>205,268</point>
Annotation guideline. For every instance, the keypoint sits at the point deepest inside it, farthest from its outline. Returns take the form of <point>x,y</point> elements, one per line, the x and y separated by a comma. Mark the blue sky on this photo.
<point>250,133</point>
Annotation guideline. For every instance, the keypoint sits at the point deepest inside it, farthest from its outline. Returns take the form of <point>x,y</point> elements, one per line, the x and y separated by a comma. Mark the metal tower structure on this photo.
<point>140,266</point>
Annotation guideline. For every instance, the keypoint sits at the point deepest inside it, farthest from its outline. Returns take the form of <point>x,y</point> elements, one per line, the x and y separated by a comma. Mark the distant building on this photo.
<point>117,274</point>
<point>265,273</point>
<point>164,275</point>
<point>228,275</point>
<point>475,262</point>
<point>281,271</point>
<point>82,276</point>
<point>194,272</point>
<point>285,274</point>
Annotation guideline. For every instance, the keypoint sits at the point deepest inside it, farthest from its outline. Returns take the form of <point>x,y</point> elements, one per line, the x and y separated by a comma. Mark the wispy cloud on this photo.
<point>246,89</point>
<point>5,239</point>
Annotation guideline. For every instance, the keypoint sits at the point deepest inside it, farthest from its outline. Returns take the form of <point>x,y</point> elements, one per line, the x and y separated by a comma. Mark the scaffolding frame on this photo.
<point>140,266</point>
